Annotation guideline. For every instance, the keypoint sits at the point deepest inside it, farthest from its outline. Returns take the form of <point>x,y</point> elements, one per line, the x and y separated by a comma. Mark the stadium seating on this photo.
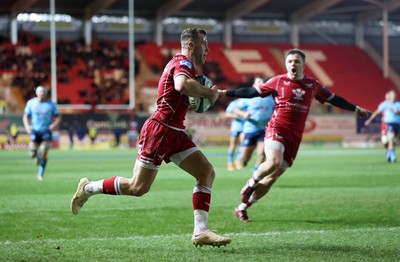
<point>345,69</point>
<point>94,75</point>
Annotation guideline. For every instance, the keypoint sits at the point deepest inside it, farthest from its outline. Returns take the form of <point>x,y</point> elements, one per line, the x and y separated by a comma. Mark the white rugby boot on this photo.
<point>209,238</point>
<point>80,197</point>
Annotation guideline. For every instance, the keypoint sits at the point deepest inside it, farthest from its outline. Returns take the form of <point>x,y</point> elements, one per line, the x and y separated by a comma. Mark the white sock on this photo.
<point>94,187</point>
<point>242,206</point>
<point>252,199</point>
<point>200,221</point>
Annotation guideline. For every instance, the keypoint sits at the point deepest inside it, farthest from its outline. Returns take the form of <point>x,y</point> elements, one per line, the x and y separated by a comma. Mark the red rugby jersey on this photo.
<point>172,106</point>
<point>293,100</point>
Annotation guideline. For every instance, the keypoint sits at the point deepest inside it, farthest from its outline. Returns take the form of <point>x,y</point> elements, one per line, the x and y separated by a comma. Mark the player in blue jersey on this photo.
<point>257,112</point>
<point>41,117</point>
<point>390,109</point>
<point>236,136</point>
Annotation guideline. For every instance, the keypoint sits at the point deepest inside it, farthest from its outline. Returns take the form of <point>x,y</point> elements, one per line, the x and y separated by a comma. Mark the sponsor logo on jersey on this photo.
<point>286,83</point>
<point>298,107</point>
<point>309,85</point>
<point>186,63</point>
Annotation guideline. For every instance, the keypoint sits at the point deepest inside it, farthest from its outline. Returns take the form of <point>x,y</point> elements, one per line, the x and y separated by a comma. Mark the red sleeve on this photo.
<point>323,94</point>
<point>268,87</point>
<point>184,67</point>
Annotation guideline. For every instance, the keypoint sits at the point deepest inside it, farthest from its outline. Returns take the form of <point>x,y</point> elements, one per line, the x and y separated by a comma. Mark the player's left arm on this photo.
<point>344,104</point>
<point>27,124</point>
<point>55,123</point>
<point>397,109</point>
<point>372,117</point>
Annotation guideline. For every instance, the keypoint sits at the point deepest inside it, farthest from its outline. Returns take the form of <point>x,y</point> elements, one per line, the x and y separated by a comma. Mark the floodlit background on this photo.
<point>102,61</point>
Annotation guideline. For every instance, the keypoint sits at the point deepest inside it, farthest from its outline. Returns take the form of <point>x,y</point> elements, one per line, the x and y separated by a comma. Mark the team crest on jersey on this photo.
<point>186,63</point>
<point>298,93</point>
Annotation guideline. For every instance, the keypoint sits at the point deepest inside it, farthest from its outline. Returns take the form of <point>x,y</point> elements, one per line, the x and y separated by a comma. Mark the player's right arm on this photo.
<point>25,117</point>
<point>190,87</point>
<point>55,123</point>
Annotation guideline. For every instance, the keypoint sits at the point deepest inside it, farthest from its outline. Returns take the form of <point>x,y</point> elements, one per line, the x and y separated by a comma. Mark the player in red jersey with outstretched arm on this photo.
<point>163,138</point>
<point>293,93</point>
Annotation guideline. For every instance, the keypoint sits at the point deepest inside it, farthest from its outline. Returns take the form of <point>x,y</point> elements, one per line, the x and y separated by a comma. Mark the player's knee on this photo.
<point>391,136</point>
<point>44,147</point>
<point>384,139</point>
<point>275,163</point>
<point>212,174</point>
<point>209,171</point>
<point>206,175</point>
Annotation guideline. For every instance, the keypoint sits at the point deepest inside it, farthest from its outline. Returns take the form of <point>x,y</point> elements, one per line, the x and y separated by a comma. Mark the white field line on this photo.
<point>243,234</point>
<point>312,152</point>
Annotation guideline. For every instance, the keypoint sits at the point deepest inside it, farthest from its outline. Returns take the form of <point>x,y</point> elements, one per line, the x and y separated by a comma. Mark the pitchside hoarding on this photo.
<point>206,128</point>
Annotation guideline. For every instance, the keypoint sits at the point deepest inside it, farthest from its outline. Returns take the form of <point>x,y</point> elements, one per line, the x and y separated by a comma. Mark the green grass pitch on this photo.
<point>333,205</point>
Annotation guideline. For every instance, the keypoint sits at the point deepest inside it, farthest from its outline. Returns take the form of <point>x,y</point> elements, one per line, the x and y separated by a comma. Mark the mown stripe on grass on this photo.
<point>243,234</point>
<point>89,155</point>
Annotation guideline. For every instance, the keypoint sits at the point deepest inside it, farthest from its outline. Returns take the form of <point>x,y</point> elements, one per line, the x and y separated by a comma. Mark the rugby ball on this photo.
<point>197,104</point>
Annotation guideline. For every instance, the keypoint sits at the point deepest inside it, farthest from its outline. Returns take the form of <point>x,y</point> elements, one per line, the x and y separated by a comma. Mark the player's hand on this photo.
<point>222,93</point>
<point>363,113</point>
<point>214,94</point>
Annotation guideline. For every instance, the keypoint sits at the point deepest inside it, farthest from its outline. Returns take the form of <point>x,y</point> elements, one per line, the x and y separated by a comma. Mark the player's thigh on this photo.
<point>199,167</point>
<point>45,146</point>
